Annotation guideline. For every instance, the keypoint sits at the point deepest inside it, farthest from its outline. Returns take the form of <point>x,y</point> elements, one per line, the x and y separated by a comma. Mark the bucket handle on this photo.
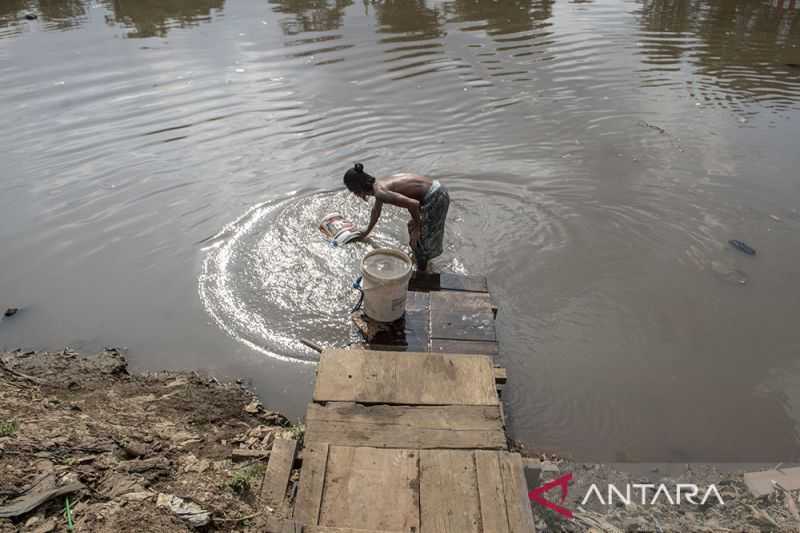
<point>358,285</point>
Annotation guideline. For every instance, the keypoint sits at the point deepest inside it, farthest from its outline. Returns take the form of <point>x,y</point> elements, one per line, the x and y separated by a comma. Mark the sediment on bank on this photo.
<point>167,451</point>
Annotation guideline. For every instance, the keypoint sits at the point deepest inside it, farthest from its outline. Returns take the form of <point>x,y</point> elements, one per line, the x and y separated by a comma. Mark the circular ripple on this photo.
<point>270,279</point>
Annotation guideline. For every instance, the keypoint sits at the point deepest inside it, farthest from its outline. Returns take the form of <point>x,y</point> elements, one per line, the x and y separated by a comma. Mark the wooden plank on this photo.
<point>323,529</point>
<point>434,281</point>
<point>457,346</point>
<point>518,506</point>
<point>279,468</point>
<point>400,426</point>
<point>390,347</point>
<point>371,488</point>
<point>448,492</point>
<point>275,524</point>
<point>410,378</point>
<point>462,316</point>
<point>466,301</point>
<point>312,482</point>
<point>417,301</point>
<point>411,333</point>
<point>490,492</point>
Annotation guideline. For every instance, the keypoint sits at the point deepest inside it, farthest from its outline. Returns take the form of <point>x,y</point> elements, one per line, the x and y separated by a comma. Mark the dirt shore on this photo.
<point>134,453</point>
<point>176,451</point>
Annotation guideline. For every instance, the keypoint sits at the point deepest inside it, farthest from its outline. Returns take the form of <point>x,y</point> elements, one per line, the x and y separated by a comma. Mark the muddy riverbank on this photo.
<point>134,452</point>
<point>176,451</point>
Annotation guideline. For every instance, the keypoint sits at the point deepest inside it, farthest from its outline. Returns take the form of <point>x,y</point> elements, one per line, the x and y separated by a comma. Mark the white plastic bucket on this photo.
<point>386,273</point>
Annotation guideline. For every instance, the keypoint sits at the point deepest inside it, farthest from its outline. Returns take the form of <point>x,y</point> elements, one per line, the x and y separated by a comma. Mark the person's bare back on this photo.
<point>409,185</point>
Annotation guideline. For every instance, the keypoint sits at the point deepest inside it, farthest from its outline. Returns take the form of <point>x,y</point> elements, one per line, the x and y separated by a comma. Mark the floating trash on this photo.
<point>742,246</point>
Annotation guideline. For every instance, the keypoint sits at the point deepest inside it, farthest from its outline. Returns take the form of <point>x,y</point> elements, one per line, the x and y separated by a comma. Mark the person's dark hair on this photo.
<point>358,181</point>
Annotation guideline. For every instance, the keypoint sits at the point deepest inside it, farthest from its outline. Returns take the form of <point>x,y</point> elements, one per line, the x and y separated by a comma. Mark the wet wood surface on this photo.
<point>411,437</point>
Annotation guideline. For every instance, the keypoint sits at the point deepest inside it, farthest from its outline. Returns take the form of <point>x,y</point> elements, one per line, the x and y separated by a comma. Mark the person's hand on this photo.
<point>414,236</point>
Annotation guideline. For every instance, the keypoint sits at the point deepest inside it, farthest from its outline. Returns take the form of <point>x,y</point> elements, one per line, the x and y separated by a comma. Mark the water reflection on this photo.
<point>55,14</point>
<point>409,16</point>
<point>589,186</point>
<point>311,15</point>
<point>155,18</point>
<point>746,46</point>
<point>11,11</point>
<point>511,16</point>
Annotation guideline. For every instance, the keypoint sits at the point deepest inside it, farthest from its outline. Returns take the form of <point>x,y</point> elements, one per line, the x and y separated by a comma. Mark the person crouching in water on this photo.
<point>426,200</point>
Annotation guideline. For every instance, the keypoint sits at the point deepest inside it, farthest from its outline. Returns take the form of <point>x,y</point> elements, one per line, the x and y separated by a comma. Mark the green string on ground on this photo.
<point>68,514</point>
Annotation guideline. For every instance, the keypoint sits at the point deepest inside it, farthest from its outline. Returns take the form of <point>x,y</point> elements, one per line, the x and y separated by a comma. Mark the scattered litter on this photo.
<point>138,496</point>
<point>43,489</point>
<point>245,454</point>
<point>188,511</point>
<point>776,218</point>
<point>763,483</point>
<point>742,246</point>
<point>253,407</point>
<point>239,70</point>
<point>193,464</point>
<point>791,506</point>
<point>763,518</point>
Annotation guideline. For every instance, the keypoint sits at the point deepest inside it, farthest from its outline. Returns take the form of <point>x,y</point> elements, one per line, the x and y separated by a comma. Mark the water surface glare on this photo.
<point>165,168</point>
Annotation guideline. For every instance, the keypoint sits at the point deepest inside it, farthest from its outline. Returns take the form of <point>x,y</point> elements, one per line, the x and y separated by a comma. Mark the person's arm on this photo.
<point>373,218</point>
<point>399,200</point>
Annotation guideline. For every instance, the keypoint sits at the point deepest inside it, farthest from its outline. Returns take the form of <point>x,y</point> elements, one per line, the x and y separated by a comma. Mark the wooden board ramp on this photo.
<point>410,378</point>
<point>406,433</point>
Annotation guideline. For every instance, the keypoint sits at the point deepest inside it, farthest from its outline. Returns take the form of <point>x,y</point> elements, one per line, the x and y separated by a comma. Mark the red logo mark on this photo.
<point>563,482</point>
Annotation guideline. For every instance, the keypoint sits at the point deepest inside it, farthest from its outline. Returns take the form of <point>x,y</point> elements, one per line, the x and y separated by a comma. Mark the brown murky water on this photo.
<point>165,165</point>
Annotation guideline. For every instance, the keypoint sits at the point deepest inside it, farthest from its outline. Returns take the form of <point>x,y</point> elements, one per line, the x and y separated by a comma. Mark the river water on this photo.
<point>164,166</point>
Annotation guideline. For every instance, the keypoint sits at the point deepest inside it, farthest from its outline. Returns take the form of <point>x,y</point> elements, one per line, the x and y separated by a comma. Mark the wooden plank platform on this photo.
<point>279,469</point>
<point>409,490</point>
<point>403,426</point>
<point>410,378</point>
<point>445,313</point>
<point>410,438</point>
<point>434,281</point>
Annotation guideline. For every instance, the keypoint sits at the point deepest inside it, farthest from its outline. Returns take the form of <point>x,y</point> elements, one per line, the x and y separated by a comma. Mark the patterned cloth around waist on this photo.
<point>433,212</point>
